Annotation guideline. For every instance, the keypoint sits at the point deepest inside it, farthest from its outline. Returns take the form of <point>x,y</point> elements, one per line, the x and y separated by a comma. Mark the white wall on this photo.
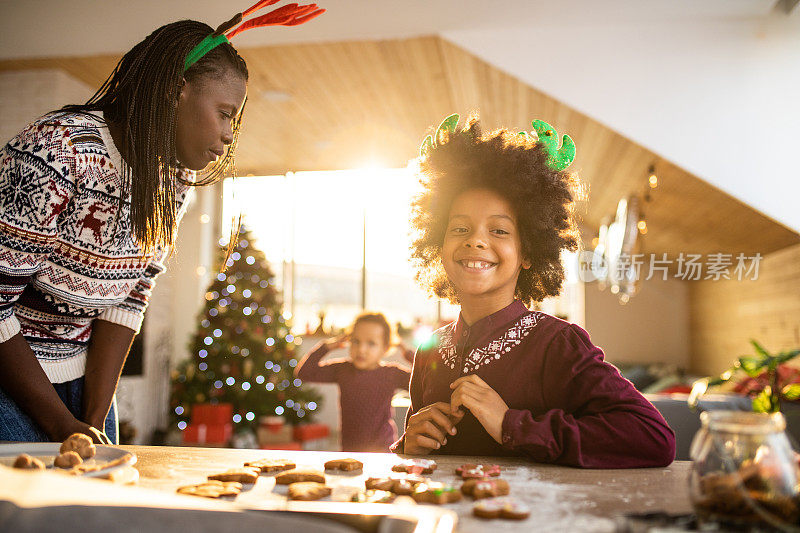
<point>653,327</point>
<point>716,96</point>
<point>709,85</point>
<point>28,94</point>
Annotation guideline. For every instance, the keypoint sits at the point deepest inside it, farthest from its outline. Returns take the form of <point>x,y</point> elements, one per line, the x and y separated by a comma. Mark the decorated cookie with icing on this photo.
<point>416,466</point>
<point>508,508</point>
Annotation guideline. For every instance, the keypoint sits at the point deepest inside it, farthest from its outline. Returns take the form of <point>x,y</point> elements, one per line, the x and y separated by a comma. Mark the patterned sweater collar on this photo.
<point>487,339</point>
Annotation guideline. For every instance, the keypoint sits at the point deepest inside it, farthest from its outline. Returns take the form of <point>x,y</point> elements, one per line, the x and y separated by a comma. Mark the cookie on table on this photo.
<point>436,492</point>
<point>212,489</point>
<point>471,470</point>
<point>79,443</point>
<point>508,508</point>
<point>26,462</point>
<point>241,475</point>
<point>415,466</point>
<point>67,460</point>
<point>308,491</point>
<point>298,475</point>
<point>344,465</point>
<point>398,485</point>
<point>485,488</point>
<point>373,496</point>
<point>271,465</point>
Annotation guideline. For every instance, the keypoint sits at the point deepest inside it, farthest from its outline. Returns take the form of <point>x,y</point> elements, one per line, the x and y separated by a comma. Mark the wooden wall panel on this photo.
<point>356,103</point>
<point>726,314</point>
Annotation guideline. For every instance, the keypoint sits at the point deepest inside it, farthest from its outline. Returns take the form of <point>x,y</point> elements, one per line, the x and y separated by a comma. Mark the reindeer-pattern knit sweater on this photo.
<point>66,255</point>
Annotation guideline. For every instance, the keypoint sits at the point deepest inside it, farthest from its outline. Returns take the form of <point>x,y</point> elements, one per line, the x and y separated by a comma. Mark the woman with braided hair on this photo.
<point>91,196</point>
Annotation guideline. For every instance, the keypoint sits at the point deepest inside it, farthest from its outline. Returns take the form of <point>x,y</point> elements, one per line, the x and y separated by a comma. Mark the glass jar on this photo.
<point>744,470</point>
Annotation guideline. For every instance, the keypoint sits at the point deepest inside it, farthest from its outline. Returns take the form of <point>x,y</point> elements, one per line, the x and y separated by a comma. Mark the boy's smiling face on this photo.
<point>481,252</point>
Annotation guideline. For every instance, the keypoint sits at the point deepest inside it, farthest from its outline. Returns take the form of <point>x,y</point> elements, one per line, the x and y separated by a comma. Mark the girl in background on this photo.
<point>366,384</point>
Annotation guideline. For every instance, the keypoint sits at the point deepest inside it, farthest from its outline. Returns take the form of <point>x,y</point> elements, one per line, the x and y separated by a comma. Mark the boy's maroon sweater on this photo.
<point>365,398</point>
<point>566,405</point>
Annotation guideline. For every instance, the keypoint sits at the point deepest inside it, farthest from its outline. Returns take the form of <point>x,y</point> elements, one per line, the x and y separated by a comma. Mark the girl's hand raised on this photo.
<point>472,393</point>
<point>427,429</point>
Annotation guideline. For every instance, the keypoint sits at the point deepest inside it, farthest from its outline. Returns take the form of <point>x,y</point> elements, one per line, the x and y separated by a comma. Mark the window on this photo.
<point>338,242</point>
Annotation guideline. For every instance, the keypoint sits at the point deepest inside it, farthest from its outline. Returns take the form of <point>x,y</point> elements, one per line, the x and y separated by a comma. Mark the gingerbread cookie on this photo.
<point>212,489</point>
<point>67,460</point>
<point>80,443</point>
<point>271,465</point>
<point>241,475</point>
<point>345,465</point>
<point>470,470</point>
<point>501,508</point>
<point>26,462</point>
<point>416,466</point>
<point>485,488</point>
<point>83,468</point>
<point>373,496</point>
<point>308,490</point>
<point>435,492</point>
<point>398,485</point>
<point>297,475</point>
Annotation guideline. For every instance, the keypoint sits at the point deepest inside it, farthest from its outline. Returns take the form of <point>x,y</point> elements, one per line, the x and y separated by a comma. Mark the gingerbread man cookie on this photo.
<point>308,491</point>
<point>344,465</point>
<point>271,465</point>
<point>435,492</point>
<point>212,489</point>
<point>501,508</point>
<point>373,496</point>
<point>415,466</point>
<point>470,470</point>
<point>485,488</point>
<point>398,485</point>
<point>241,475</point>
<point>300,474</point>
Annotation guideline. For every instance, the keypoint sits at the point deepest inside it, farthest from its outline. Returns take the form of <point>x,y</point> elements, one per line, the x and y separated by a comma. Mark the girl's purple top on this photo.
<point>365,398</point>
<point>566,405</point>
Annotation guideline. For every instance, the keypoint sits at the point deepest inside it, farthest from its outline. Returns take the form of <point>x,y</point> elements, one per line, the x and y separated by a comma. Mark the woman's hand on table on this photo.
<point>472,393</point>
<point>427,429</point>
<point>76,426</point>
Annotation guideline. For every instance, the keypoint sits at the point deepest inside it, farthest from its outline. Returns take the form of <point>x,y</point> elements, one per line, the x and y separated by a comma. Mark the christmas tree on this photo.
<point>243,352</point>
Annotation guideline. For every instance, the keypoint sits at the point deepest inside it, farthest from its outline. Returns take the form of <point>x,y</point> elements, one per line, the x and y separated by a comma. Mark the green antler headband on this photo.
<point>559,158</point>
<point>288,15</point>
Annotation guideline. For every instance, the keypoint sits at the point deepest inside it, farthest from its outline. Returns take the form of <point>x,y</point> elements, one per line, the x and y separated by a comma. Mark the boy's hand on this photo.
<point>472,393</point>
<point>336,342</point>
<point>428,428</point>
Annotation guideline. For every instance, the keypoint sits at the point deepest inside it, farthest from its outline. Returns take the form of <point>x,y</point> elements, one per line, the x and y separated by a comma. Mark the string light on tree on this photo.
<point>238,344</point>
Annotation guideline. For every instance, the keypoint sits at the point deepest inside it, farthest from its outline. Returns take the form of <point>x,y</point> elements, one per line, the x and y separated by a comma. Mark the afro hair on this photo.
<point>515,167</point>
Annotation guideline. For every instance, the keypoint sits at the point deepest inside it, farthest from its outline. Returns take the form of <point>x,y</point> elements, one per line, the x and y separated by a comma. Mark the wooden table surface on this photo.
<point>560,498</point>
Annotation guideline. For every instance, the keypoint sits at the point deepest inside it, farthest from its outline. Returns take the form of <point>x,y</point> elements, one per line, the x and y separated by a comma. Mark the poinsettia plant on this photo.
<point>767,378</point>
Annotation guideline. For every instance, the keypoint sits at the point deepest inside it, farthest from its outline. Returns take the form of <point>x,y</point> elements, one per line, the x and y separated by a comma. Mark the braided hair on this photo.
<point>140,96</point>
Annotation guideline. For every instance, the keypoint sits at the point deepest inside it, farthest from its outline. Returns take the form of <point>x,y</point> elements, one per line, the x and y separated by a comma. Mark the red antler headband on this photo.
<point>288,15</point>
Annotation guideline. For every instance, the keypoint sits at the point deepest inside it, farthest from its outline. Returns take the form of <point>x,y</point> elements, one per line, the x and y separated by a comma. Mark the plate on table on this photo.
<point>48,451</point>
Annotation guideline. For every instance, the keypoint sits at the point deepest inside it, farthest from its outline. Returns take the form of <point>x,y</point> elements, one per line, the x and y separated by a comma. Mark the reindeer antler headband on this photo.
<point>544,133</point>
<point>288,15</point>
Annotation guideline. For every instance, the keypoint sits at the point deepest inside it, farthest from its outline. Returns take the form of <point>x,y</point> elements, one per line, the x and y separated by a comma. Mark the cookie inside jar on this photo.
<point>744,470</point>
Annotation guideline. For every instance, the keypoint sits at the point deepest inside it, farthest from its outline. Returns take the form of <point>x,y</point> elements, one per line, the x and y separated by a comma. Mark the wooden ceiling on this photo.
<point>356,103</point>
